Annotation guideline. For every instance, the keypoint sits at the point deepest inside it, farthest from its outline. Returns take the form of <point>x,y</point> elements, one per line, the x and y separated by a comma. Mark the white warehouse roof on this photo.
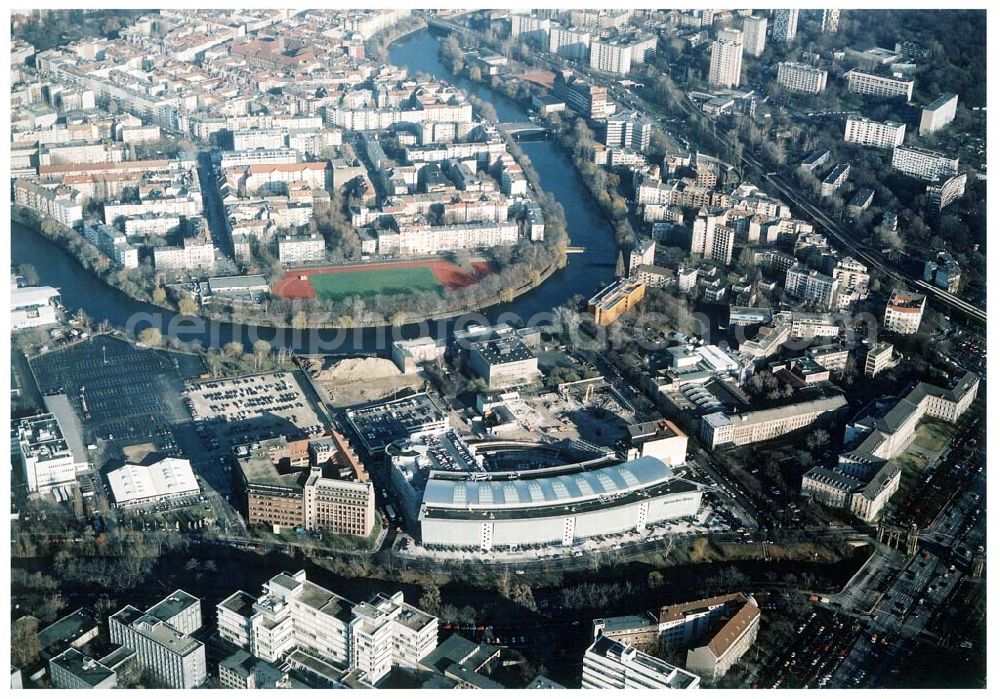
<point>167,477</point>
<point>599,483</point>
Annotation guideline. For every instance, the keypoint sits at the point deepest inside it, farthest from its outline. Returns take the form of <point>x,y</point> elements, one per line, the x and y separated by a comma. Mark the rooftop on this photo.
<point>83,667</point>
<point>172,605</point>
<point>671,675</point>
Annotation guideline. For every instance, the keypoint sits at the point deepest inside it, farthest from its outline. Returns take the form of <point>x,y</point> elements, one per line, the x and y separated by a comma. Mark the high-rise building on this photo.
<point>712,239</point>
<point>800,77</point>
<point>938,113</point>
<point>831,21</point>
<point>171,657</point>
<point>785,25</point>
<point>525,27</point>
<point>573,44</point>
<point>754,35</point>
<point>387,632</point>
<point>864,131</point>
<point>726,67</point>
<point>628,130</point>
<point>610,56</point>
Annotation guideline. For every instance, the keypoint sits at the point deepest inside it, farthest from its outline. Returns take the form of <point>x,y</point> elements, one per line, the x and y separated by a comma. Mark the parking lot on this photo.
<point>120,393</point>
<point>250,398</point>
<point>821,640</point>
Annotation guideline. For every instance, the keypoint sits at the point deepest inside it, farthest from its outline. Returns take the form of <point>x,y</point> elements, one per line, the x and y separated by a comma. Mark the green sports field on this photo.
<point>371,282</point>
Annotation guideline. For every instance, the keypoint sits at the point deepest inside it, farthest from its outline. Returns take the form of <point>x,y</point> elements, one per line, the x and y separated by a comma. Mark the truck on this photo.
<point>391,512</point>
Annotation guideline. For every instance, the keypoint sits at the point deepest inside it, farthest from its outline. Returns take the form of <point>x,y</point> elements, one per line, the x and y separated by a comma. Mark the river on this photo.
<point>418,52</point>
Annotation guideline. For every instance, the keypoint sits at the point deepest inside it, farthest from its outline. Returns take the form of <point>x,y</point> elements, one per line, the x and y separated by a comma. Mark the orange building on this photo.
<point>612,301</point>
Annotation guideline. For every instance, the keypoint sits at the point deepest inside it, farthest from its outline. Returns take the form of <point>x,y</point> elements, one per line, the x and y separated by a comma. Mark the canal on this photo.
<point>587,226</point>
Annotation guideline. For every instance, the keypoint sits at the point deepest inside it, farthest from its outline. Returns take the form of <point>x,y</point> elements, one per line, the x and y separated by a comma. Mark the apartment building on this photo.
<point>172,658</point>
<point>833,181</point>
<point>944,192</point>
<point>867,132</point>
<point>617,298</point>
<point>608,664</point>
<point>254,139</point>
<point>923,164</point>
<point>865,83</point>
<point>904,311</point>
<point>420,238</point>
<point>754,35</point>
<point>812,286</point>
<point>853,279</point>
<point>387,632</point>
<point>711,239</point>
<point>644,253</point>
<point>570,43</point>
<point>56,202</point>
<point>878,358</point>
<point>193,253</point>
<point>526,27</point>
<point>800,77</point>
<point>726,65</point>
<point>112,243</point>
<point>830,22</point>
<point>938,113</point>
<point>628,130</point>
<point>761,425</point>
<point>299,249</point>
<point>610,56</point>
<point>785,25</point>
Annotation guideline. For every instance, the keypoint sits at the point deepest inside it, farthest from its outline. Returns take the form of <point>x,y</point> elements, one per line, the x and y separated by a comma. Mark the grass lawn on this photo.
<point>910,465</point>
<point>932,435</point>
<point>371,282</point>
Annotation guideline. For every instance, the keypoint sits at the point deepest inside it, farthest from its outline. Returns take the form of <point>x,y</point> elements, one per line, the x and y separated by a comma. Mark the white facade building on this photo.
<point>296,249</point>
<point>904,311</point>
<point>726,67</point>
<point>172,658</point>
<point>938,113</point>
<point>800,77</point>
<point>46,456</point>
<point>608,664</point>
<point>864,131</point>
<point>865,83</point>
<point>166,479</point>
<point>923,164</point>
<point>754,35</point>
<point>785,25</point>
<point>499,513</point>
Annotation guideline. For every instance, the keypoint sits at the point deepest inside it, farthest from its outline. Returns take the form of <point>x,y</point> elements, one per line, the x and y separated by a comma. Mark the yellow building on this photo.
<point>612,301</point>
